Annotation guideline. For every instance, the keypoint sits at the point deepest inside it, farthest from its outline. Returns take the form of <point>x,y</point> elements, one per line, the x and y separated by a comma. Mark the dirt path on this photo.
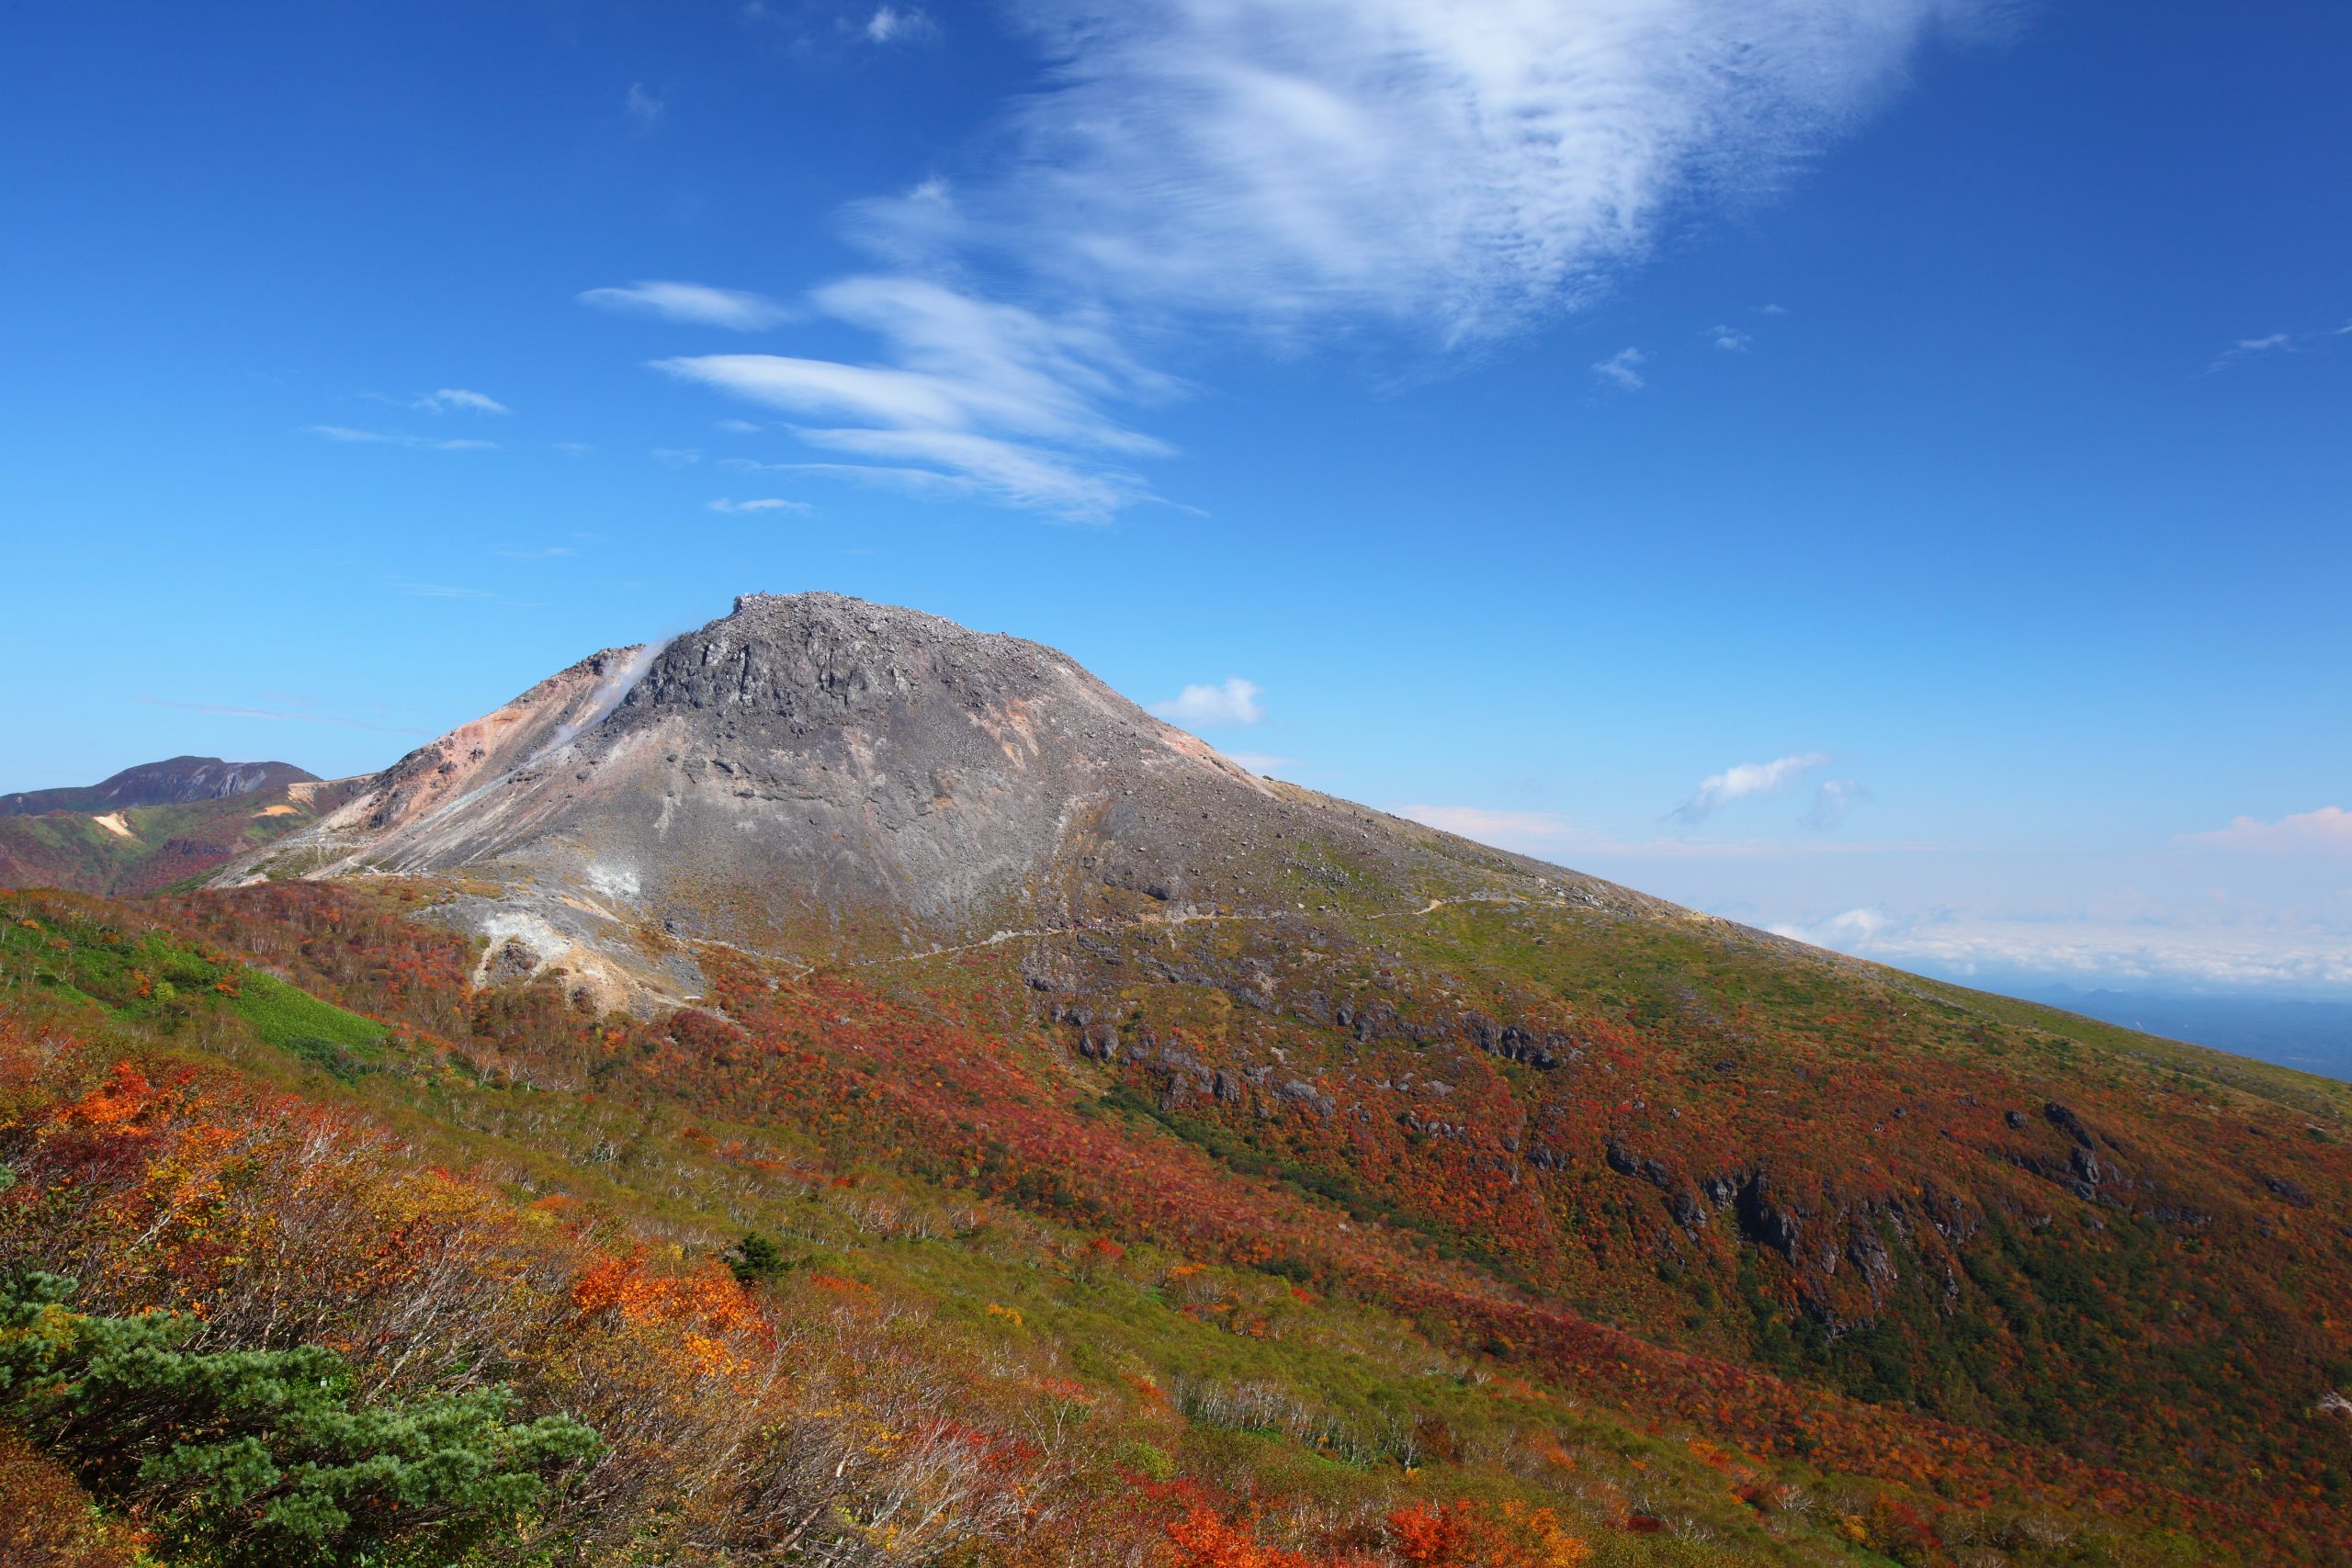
<point>1186,918</point>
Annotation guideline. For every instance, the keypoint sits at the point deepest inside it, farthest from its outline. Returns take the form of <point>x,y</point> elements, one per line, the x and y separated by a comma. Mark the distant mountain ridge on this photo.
<point>154,825</point>
<point>177,780</point>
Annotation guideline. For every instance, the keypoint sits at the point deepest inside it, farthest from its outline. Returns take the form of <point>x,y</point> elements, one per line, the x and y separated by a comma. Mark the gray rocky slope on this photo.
<point>819,778</point>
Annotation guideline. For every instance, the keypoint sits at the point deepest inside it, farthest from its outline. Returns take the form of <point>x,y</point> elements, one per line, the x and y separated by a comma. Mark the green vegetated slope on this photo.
<point>2021,1221</point>
<point>1715,1249</point>
<point>1189,1378</point>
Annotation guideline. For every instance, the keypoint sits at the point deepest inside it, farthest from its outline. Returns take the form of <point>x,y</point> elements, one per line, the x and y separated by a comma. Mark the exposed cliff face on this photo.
<point>814,776</point>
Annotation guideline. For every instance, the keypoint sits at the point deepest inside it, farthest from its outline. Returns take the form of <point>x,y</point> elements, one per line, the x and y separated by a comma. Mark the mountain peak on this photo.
<point>813,775</point>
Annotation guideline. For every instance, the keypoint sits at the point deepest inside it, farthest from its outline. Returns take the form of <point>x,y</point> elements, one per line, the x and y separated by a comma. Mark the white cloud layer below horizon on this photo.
<point>2199,955</point>
<point>2258,907</point>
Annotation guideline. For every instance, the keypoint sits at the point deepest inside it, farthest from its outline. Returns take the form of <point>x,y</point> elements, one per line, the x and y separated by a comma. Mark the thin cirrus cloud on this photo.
<point>277,715</point>
<point>1235,702</point>
<point>1719,790</point>
<point>1296,166</point>
<point>2248,348</point>
<point>393,438</point>
<point>765,504</point>
<point>697,304</point>
<point>896,24</point>
<point>1468,167</point>
<point>2269,343</point>
<point>450,591</point>
<point>969,396</point>
<point>1547,834</point>
<point>1832,799</point>
<point>458,399</point>
<point>2327,831</point>
<point>1623,369</point>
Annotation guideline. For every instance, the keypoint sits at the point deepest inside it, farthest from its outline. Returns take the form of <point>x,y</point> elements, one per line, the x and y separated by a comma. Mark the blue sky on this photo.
<point>1877,469</point>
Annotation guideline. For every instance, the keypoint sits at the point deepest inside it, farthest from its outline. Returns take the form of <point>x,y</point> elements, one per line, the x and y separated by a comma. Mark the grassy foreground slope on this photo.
<point>1159,1245</point>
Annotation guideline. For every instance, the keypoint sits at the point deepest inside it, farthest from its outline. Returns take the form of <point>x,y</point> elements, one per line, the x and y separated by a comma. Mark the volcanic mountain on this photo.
<point>813,777</point>
<point>945,900</point>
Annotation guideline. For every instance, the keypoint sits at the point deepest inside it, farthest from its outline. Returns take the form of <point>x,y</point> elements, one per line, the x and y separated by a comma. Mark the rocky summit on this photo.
<point>813,776</point>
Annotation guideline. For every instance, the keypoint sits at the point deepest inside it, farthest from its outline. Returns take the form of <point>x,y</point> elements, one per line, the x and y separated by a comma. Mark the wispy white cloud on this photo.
<point>2248,348</point>
<point>699,303</point>
<point>1464,166</point>
<point>677,456</point>
<point>573,448</point>
<point>2268,344</point>
<point>298,713</point>
<point>973,397</point>
<point>449,398</point>
<point>449,591</point>
<point>1293,165</point>
<point>1233,702</point>
<point>919,482</point>
<point>2327,831</point>
<point>1623,369</point>
<point>1549,835</point>
<point>1731,340</point>
<point>1832,799</point>
<point>645,109</point>
<point>766,503</point>
<point>391,439</point>
<point>898,24</point>
<point>1719,790</point>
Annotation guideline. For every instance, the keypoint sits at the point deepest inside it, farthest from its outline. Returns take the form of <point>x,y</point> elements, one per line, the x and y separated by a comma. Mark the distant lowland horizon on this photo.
<point>2311,1036</point>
